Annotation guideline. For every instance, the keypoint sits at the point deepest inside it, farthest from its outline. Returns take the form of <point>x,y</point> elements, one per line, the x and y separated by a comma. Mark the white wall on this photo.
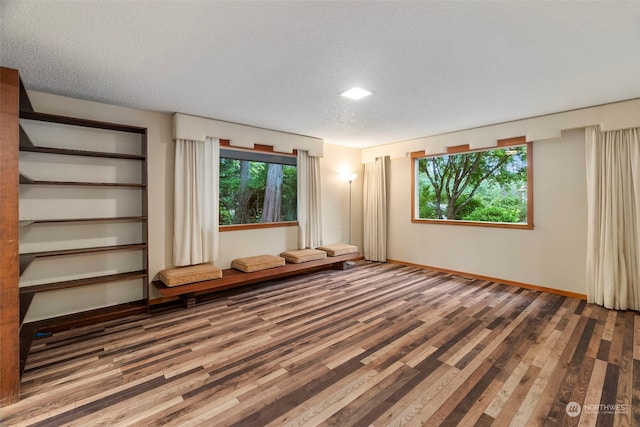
<point>233,244</point>
<point>196,128</point>
<point>337,162</point>
<point>551,255</point>
<point>617,115</point>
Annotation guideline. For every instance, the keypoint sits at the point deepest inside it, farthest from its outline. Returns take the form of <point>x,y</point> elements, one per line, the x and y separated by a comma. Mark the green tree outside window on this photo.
<point>257,192</point>
<point>482,186</point>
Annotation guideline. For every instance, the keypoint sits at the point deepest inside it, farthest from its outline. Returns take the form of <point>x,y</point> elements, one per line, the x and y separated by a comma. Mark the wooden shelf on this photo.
<point>27,146</point>
<point>55,286</point>
<point>27,258</point>
<point>68,152</point>
<point>26,180</point>
<point>28,222</point>
<point>52,118</point>
<point>83,318</point>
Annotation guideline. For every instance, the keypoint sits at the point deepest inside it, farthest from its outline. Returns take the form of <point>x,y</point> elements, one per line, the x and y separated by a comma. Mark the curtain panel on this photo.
<point>613,215</point>
<point>375,211</point>
<point>309,201</point>
<point>196,186</point>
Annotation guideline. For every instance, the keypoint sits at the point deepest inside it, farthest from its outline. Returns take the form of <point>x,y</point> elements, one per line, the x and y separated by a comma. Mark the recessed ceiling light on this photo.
<point>355,93</point>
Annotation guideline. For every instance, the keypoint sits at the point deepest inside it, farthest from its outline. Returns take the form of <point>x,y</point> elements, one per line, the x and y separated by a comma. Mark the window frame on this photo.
<point>225,145</point>
<point>462,149</point>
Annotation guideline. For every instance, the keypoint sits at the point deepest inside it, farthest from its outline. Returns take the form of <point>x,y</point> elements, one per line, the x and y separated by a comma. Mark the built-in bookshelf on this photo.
<point>81,218</point>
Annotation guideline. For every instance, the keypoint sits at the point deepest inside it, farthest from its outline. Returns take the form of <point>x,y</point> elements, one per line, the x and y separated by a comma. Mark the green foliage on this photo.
<point>426,205</point>
<point>290,193</point>
<point>242,189</point>
<point>466,207</point>
<point>479,186</point>
<point>494,214</point>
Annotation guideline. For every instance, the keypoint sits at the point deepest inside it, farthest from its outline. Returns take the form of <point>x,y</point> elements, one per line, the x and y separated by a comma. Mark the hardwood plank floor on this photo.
<point>376,345</point>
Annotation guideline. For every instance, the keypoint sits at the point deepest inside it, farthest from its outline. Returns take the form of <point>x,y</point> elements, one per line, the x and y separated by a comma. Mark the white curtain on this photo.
<point>613,214</point>
<point>195,226</point>
<point>375,211</point>
<point>309,201</point>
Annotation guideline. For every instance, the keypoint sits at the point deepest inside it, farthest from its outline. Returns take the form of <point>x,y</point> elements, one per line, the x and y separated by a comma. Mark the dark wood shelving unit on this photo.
<point>88,281</point>
<point>74,121</point>
<point>27,258</point>
<point>16,336</point>
<point>27,146</point>
<point>82,153</point>
<point>29,222</point>
<point>28,181</point>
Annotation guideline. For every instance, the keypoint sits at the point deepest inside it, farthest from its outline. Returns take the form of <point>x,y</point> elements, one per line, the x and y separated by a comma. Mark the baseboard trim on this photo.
<point>494,279</point>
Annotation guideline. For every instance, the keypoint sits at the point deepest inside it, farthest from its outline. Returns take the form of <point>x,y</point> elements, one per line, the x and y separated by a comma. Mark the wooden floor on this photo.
<point>379,344</point>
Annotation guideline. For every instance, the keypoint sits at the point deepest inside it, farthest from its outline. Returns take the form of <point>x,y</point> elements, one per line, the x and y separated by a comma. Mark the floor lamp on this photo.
<point>350,177</point>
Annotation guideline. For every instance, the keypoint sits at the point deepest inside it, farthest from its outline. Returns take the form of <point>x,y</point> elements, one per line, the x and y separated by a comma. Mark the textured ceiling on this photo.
<point>434,67</point>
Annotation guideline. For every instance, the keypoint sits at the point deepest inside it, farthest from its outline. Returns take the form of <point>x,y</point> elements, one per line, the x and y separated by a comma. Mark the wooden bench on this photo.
<point>232,278</point>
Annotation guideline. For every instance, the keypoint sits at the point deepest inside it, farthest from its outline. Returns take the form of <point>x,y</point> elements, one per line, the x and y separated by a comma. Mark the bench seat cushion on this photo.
<point>189,274</point>
<point>303,255</point>
<point>257,263</point>
<point>338,249</point>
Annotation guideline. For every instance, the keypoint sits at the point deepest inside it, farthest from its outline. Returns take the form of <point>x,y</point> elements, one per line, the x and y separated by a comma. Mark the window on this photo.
<point>490,188</point>
<point>257,187</point>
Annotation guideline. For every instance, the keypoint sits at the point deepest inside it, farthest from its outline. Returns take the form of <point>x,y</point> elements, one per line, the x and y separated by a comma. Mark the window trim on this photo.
<point>225,145</point>
<point>238,227</point>
<point>461,149</point>
<point>258,156</point>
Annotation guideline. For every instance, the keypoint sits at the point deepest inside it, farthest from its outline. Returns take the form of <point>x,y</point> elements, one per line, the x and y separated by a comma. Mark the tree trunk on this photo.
<point>244,195</point>
<point>271,210</point>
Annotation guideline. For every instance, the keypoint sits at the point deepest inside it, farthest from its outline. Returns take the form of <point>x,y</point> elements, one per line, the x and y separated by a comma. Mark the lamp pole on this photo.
<point>350,211</point>
<point>350,178</point>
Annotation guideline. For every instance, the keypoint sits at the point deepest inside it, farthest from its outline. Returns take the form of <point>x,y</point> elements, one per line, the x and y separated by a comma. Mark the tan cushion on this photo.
<point>189,274</point>
<point>338,249</point>
<point>257,263</point>
<point>303,255</point>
